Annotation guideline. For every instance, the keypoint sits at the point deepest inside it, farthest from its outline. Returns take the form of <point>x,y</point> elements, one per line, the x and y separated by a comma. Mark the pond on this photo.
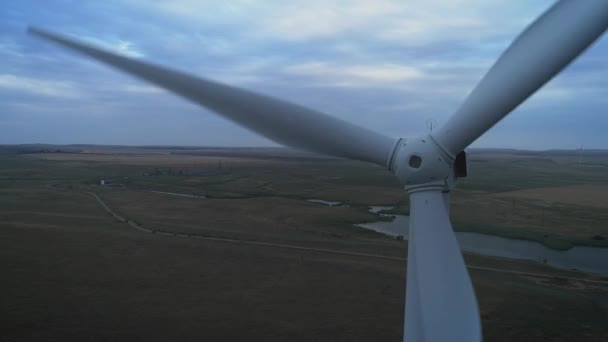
<point>176,194</point>
<point>330,203</point>
<point>588,259</point>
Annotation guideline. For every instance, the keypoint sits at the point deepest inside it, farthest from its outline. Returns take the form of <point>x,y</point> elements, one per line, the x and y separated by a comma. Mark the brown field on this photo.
<point>102,280</point>
<point>515,205</point>
<point>262,218</point>
<point>148,159</point>
<point>595,196</point>
<point>522,211</point>
<point>71,271</point>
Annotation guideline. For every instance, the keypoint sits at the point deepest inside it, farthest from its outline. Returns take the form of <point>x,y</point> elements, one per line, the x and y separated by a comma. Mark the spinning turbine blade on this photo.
<point>540,52</point>
<point>283,122</point>
<point>440,302</point>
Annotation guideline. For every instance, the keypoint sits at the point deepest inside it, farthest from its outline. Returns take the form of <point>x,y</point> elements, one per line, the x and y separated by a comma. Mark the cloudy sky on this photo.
<point>388,65</point>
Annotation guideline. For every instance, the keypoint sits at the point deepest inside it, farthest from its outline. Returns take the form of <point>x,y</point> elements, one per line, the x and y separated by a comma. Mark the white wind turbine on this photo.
<point>440,301</point>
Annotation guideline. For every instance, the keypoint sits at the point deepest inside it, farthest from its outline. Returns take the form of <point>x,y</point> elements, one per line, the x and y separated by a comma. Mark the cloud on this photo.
<point>38,86</point>
<point>321,19</point>
<point>401,61</point>
<point>10,48</point>
<point>141,89</point>
<point>355,74</point>
<point>404,22</point>
<point>114,44</point>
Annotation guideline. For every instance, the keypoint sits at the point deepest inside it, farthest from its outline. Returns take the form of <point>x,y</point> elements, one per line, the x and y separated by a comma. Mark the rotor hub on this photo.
<point>420,163</point>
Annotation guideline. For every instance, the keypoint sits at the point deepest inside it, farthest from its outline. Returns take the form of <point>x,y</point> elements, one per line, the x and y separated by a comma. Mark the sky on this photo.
<point>391,66</point>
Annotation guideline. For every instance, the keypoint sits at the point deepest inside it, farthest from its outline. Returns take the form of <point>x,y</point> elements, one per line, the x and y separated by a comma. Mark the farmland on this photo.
<point>552,198</point>
<point>74,272</point>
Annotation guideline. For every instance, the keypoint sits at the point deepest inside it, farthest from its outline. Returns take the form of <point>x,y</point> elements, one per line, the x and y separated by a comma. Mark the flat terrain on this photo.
<point>74,272</point>
<point>557,198</point>
<point>594,196</point>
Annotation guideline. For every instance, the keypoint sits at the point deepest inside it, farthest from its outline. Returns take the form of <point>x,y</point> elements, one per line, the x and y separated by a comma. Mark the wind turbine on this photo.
<point>440,300</point>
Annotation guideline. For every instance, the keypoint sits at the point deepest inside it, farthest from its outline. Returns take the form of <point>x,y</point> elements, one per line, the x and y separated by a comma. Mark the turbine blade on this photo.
<point>540,52</point>
<point>440,301</point>
<point>283,122</point>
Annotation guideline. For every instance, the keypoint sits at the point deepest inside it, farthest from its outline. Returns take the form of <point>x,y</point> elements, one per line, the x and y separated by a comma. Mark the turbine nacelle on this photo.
<point>421,163</point>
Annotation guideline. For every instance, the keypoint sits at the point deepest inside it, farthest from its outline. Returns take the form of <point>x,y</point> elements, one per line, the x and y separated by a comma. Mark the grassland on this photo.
<point>547,197</point>
<point>73,272</point>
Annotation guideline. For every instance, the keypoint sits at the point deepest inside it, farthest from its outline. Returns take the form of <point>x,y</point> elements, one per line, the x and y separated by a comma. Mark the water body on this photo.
<point>587,259</point>
<point>176,194</point>
<point>378,208</point>
<point>330,203</point>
